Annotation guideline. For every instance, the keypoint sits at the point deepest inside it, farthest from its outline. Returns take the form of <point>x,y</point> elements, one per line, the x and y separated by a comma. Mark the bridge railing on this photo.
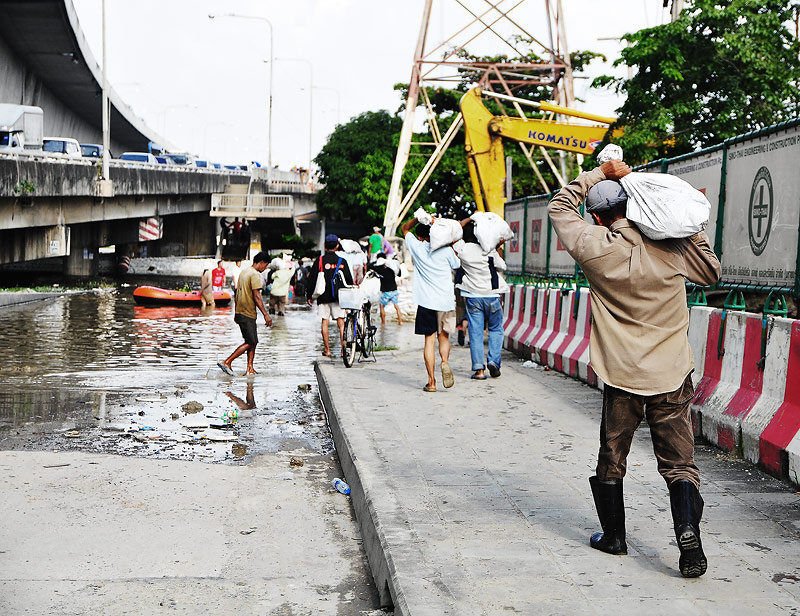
<point>252,206</point>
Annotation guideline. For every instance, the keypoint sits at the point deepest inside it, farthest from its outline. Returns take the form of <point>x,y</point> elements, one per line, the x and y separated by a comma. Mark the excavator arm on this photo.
<point>484,133</point>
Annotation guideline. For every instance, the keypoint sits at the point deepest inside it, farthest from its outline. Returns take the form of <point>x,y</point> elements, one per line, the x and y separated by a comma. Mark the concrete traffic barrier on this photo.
<point>740,381</point>
<point>561,330</point>
<point>556,359</point>
<point>524,312</point>
<point>535,322</point>
<point>549,326</point>
<point>774,421</point>
<point>511,315</point>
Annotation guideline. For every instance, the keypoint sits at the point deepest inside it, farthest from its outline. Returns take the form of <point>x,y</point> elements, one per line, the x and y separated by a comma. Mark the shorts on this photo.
<point>390,297</point>
<point>331,311</point>
<point>248,327</point>
<point>431,322</point>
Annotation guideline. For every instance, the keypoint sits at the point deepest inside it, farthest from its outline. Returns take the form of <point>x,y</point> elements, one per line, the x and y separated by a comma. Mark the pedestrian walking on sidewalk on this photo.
<point>640,349</point>
<point>329,265</point>
<point>248,298</point>
<point>436,302</point>
<point>387,270</point>
<point>481,285</point>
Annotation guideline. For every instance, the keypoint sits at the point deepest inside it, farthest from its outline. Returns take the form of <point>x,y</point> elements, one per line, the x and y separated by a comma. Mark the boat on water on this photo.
<point>154,296</point>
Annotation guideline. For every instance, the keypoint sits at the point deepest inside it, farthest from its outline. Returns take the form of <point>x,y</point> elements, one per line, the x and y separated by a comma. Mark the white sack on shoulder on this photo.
<point>610,152</point>
<point>490,229</point>
<point>665,206</point>
<point>445,231</point>
<point>422,216</point>
<point>276,264</point>
<point>350,246</point>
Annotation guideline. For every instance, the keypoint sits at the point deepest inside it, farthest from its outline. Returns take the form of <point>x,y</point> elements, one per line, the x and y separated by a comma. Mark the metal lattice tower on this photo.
<point>443,63</point>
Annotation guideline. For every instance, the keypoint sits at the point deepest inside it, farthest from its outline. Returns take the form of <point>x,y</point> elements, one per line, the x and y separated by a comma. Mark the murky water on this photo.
<point>96,372</point>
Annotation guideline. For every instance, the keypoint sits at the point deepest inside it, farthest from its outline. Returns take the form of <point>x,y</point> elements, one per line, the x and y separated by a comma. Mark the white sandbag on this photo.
<point>610,152</point>
<point>422,216</point>
<point>276,264</point>
<point>445,231</point>
<point>490,229</point>
<point>662,206</point>
<point>350,246</point>
<point>665,206</point>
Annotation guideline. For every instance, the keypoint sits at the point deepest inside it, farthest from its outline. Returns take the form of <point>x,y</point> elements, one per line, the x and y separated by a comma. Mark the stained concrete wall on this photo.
<point>20,86</point>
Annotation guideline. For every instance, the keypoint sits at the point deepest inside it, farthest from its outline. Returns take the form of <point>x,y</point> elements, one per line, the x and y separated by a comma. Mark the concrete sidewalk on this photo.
<point>475,500</point>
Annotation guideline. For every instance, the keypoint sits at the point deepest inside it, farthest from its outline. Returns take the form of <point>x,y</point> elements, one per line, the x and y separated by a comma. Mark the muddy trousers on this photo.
<point>668,417</point>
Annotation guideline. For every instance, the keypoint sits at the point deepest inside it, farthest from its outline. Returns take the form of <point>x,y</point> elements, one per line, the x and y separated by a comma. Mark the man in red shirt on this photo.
<point>218,277</point>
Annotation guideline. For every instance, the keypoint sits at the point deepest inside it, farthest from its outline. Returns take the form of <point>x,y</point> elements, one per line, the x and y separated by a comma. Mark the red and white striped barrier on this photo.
<point>725,403</point>
<point>512,316</point>
<point>747,369</point>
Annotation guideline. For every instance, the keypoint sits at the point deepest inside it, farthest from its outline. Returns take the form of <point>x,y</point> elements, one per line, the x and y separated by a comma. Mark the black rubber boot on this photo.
<point>611,511</point>
<point>687,509</point>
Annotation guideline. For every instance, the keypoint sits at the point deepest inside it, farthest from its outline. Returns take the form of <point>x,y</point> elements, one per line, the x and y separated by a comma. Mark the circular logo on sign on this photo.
<point>760,219</point>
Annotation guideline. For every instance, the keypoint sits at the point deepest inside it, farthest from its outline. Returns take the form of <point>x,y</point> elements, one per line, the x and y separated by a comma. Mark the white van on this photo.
<point>68,148</point>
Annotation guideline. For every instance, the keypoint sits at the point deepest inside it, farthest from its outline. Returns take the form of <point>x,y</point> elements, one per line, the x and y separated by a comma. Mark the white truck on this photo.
<point>20,127</point>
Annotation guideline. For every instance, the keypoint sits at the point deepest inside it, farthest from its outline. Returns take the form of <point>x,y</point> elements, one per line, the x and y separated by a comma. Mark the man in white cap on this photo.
<point>639,348</point>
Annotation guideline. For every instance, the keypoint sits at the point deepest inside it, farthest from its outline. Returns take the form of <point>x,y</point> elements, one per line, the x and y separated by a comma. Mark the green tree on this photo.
<point>356,167</point>
<point>723,68</point>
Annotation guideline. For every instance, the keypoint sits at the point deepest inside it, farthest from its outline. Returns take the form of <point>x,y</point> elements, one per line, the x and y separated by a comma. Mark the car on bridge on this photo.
<point>139,157</point>
<point>91,150</point>
<point>66,146</point>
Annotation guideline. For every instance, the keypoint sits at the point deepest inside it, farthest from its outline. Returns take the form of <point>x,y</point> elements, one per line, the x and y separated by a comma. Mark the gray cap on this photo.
<point>605,195</point>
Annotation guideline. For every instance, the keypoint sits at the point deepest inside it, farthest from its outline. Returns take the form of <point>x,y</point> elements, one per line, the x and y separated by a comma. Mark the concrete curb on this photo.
<point>15,299</point>
<point>375,544</point>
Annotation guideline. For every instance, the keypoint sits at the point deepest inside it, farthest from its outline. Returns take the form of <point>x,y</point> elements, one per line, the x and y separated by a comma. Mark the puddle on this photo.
<point>96,372</point>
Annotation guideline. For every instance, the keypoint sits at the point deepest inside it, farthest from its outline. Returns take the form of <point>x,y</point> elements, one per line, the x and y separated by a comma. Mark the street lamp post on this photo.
<point>106,118</point>
<point>310,103</point>
<point>271,62</point>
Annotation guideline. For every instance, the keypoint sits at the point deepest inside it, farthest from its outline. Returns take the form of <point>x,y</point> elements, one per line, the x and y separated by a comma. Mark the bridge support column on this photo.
<point>83,256</point>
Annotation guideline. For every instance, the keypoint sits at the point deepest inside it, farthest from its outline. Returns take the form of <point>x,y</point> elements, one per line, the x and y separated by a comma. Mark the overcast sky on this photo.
<point>203,83</point>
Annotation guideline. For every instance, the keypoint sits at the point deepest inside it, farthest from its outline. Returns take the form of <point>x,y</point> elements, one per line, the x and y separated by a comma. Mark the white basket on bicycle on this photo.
<point>351,298</point>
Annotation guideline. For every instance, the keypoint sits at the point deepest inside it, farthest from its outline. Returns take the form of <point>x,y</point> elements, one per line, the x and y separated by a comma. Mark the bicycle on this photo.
<point>359,332</point>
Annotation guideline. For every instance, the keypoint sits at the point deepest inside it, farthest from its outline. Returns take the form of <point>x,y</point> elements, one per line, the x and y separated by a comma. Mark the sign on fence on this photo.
<point>514,212</point>
<point>762,210</point>
<point>536,259</point>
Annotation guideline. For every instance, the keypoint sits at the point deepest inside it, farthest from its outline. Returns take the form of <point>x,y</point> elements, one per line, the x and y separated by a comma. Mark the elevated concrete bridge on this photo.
<point>53,208</point>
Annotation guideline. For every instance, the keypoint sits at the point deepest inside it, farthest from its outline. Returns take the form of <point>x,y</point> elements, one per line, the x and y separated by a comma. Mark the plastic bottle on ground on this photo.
<point>340,486</point>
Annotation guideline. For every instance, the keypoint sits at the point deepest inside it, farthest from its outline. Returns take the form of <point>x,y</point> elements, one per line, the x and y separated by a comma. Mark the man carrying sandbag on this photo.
<point>434,296</point>
<point>639,348</point>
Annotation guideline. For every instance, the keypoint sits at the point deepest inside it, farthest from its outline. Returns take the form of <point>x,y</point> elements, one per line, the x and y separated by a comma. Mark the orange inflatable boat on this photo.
<point>153,296</point>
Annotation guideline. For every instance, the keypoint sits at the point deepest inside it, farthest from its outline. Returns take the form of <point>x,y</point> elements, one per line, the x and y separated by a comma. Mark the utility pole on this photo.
<point>106,119</point>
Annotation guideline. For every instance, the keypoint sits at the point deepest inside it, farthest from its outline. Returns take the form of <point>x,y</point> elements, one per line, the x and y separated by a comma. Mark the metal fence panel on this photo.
<point>538,224</point>
<point>762,210</point>
<point>514,212</point>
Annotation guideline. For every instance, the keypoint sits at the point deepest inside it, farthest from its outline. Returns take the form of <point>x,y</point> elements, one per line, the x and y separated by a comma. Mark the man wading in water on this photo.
<point>640,349</point>
<point>248,298</point>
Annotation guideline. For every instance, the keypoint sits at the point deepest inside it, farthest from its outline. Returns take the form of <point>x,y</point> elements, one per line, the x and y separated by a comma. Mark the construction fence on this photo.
<point>753,184</point>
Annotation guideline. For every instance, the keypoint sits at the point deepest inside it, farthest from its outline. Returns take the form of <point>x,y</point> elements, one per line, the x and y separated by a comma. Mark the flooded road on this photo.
<point>98,373</point>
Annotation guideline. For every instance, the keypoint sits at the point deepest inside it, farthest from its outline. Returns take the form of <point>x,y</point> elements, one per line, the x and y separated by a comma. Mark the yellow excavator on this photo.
<point>484,133</point>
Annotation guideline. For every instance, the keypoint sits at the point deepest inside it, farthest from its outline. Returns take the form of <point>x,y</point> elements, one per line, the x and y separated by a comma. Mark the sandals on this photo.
<point>429,389</point>
<point>447,376</point>
<point>224,368</point>
<point>477,377</point>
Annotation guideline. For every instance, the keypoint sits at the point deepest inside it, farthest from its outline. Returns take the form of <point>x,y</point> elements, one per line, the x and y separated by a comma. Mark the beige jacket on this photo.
<point>640,319</point>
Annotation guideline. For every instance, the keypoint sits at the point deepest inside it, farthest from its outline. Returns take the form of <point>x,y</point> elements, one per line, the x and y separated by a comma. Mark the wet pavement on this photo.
<point>96,372</point>
<point>93,374</point>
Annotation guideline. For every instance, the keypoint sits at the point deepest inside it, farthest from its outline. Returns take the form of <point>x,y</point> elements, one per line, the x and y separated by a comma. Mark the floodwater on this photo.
<point>96,372</point>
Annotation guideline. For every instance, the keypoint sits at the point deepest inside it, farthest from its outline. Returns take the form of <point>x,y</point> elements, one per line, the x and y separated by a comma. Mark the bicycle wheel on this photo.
<point>350,339</point>
<point>368,342</point>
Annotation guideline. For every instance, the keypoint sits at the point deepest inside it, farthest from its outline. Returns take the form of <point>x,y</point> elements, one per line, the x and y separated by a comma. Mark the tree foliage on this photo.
<point>723,68</point>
